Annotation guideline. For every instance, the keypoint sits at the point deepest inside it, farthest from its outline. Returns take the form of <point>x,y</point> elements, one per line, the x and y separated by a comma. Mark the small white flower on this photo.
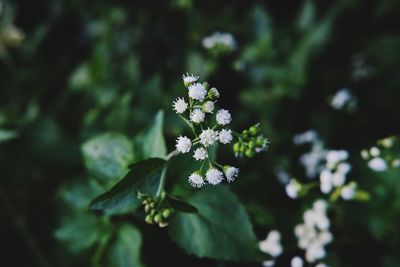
<point>315,251</point>
<point>321,265</point>
<point>364,154</point>
<point>231,173</point>
<point>338,179</point>
<point>180,105</point>
<point>342,98</point>
<point>269,263</point>
<point>325,181</point>
<point>333,157</point>
<point>309,136</point>
<point>219,38</point>
<point>225,136</point>
<point>208,137</point>
<point>374,151</point>
<point>213,93</point>
<point>188,79</point>
<point>214,176</point>
<point>272,244</point>
<point>197,116</point>
<point>378,164</point>
<point>196,180</point>
<point>183,144</point>
<point>296,262</point>
<point>293,189</point>
<point>348,191</point>
<point>208,106</point>
<point>387,142</point>
<point>200,154</point>
<point>197,91</point>
<point>223,117</point>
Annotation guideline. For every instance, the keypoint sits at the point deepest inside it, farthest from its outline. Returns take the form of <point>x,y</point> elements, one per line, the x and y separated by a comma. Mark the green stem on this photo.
<point>190,125</point>
<point>98,254</point>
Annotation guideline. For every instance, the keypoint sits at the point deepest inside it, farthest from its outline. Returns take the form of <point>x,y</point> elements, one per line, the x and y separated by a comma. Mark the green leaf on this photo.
<point>107,156</point>
<point>125,250</point>
<point>220,230</point>
<point>151,143</point>
<point>80,230</point>
<point>180,205</point>
<point>144,177</point>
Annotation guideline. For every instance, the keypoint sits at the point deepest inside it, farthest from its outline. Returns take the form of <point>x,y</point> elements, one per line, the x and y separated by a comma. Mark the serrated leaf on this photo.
<point>180,205</point>
<point>125,250</point>
<point>107,156</point>
<point>220,230</point>
<point>144,177</point>
<point>151,143</point>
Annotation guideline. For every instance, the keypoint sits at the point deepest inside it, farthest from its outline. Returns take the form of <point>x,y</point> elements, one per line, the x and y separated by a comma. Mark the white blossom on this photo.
<point>374,151</point>
<point>343,98</point>
<point>326,183</point>
<point>197,91</point>
<point>364,154</point>
<point>197,116</point>
<point>196,180</point>
<point>314,233</point>
<point>183,144</point>
<point>188,79</point>
<point>214,176</point>
<point>268,263</point>
<point>333,157</point>
<point>225,136</point>
<point>348,191</point>
<point>293,189</point>
<point>309,136</point>
<point>208,106</point>
<point>321,265</point>
<point>296,262</point>
<point>231,173</point>
<point>272,244</point>
<point>219,38</point>
<point>223,117</point>
<point>208,137</point>
<point>378,164</point>
<point>180,105</point>
<point>200,154</point>
<point>312,161</point>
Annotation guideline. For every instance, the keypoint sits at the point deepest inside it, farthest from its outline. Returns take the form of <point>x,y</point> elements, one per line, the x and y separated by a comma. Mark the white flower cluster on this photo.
<point>272,246</point>
<point>314,233</point>
<point>333,176</point>
<point>197,111</point>
<point>379,161</point>
<point>313,160</point>
<point>344,99</point>
<point>220,39</point>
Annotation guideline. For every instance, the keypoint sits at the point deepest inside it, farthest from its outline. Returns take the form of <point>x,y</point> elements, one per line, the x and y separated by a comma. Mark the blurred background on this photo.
<point>72,69</point>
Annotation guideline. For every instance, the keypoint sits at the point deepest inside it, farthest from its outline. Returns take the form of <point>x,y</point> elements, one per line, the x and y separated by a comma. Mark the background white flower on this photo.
<point>378,164</point>
<point>293,188</point>
<point>200,153</point>
<point>223,117</point>
<point>197,116</point>
<point>272,244</point>
<point>183,144</point>
<point>197,91</point>
<point>296,262</point>
<point>189,79</point>
<point>180,105</point>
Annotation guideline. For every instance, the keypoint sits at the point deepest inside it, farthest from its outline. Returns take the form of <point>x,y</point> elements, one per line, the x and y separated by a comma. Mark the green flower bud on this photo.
<point>236,147</point>
<point>149,219</point>
<point>157,218</point>
<point>213,93</point>
<point>252,144</point>
<point>249,153</point>
<point>253,130</point>
<point>147,208</point>
<point>260,141</point>
<point>166,213</point>
<point>242,149</point>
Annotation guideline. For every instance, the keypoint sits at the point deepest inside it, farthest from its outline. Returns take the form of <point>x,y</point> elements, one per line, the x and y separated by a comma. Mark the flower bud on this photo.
<point>147,208</point>
<point>166,213</point>
<point>149,219</point>
<point>249,153</point>
<point>236,147</point>
<point>158,218</point>
<point>252,144</point>
<point>213,93</point>
<point>208,106</point>
<point>253,130</point>
<point>163,224</point>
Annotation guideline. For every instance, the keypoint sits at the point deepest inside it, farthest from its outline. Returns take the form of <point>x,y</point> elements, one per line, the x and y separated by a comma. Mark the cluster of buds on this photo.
<point>157,211</point>
<point>384,155</point>
<point>209,130</point>
<point>250,142</point>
